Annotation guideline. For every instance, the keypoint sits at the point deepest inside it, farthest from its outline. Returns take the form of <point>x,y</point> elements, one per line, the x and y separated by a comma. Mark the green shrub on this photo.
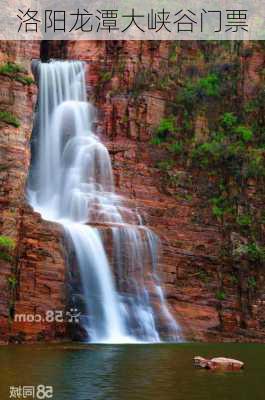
<point>7,243</point>
<point>256,164</point>
<point>156,140</point>
<point>252,283</point>
<point>255,252</point>
<point>235,150</point>
<point>12,282</point>
<point>245,133</point>
<point>176,147</point>
<point>187,121</point>
<point>228,120</point>
<point>163,130</point>
<point>26,80</point>
<point>188,95</point>
<point>244,220</point>
<point>207,153</point>
<point>221,206</point>
<point>220,295</point>
<point>105,76</point>
<point>212,148</point>
<point>167,125</point>
<point>8,118</point>
<point>191,95</point>
<point>6,246</point>
<point>10,68</point>
<point>210,85</point>
<point>218,212</point>
<point>16,72</point>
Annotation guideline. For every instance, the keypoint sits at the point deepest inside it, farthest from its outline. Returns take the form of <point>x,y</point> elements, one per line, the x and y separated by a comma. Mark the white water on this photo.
<point>71,183</point>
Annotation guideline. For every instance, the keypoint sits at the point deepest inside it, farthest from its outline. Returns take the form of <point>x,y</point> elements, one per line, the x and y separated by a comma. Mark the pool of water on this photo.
<point>133,372</point>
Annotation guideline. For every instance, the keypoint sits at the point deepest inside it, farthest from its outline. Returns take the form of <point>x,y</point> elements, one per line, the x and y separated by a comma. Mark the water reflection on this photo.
<point>132,372</point>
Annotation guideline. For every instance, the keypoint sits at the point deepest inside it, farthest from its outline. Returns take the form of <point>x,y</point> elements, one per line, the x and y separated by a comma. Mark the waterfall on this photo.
<point>71,182</point>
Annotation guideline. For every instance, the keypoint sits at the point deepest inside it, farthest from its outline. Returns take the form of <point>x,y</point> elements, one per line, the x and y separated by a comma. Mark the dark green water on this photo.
<point>133,372</point>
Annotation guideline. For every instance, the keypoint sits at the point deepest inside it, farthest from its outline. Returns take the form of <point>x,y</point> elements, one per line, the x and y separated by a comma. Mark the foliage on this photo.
<point>105,76</point>
<point>12,281</point>
<point>6,246</point>
<point>220,295</point>
<point>193,92</point>
<point>252,283</point>
<point>226,152</point>
<point>244,220</point>
<point>254,252</point>
<point>7,243</point>
<point>188,197</point>
<point>176,147</point>
<point>163,131</point>
<point>156,140</point>
<point>26,80</point>
<point>227,148</point>
<point>228,120</point>
<point>10,68</point>
<point>256,163</point>
<point>16,72</point>
<point>221,206</point>
<point>245,133</point>
<point>208,152</point>
<point>9,118</point>
<point>218,212</point>
<point>167,125</point>
<point>209,85</point>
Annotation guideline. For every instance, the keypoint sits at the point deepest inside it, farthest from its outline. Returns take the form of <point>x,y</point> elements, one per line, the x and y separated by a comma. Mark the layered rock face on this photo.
<point>32,277</point>
<point>129,84</point>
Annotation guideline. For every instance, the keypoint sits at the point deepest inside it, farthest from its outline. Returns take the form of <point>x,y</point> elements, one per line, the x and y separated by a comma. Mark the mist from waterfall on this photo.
<point>71,182</point>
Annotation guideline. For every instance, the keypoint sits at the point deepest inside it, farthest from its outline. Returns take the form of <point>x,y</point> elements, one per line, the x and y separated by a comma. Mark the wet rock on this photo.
<point>200,362</point>
<point>223,363</point>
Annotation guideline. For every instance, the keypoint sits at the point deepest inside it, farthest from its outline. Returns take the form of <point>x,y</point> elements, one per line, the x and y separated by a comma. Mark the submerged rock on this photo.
<point>227,364</point>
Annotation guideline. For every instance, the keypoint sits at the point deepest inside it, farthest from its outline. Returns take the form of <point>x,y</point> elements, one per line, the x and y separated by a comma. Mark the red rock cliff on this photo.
<point>134,85</point>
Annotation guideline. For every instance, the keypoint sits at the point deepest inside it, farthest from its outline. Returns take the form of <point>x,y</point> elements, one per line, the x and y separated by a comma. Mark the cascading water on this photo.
<point>71,183</point>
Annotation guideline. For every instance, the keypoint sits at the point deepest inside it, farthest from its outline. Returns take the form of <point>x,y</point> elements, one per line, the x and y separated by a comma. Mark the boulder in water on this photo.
<point>223,363</point>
